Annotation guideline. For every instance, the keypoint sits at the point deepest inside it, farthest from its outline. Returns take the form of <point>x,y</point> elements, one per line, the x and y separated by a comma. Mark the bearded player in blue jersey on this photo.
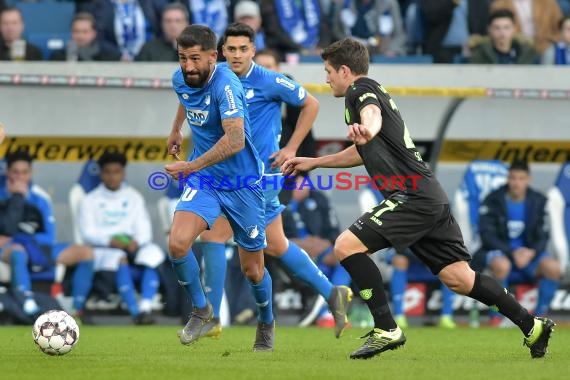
<point>212,101</point>
<point>265,91</point>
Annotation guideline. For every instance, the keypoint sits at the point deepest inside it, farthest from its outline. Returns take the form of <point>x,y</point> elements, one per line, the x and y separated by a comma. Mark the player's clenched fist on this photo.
<point>359,134</point>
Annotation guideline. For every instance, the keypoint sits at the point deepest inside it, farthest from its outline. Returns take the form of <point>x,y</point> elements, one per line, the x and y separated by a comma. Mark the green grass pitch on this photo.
<point>154,353</point>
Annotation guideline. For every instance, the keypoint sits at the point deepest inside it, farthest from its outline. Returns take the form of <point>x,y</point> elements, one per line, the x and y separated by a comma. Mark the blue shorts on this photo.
<point>518,275</point>
<point>273,208</point>
<point>244,209</point>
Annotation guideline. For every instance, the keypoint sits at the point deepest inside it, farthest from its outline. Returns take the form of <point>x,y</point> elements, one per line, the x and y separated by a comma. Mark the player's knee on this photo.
<point>550,268</point>
<point>400,262</point>
<point>177,247</point>
<point>85,252</point>
<point>500,267</point>
<point>344,246</point>
<point>252,272</point>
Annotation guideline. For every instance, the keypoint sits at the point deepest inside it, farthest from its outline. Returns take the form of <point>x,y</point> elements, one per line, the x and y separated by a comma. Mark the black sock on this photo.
<point>491,293</point>
<point>368,279</point>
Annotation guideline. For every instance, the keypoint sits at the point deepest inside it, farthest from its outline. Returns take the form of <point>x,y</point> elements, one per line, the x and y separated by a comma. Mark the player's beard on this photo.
<point>196,81</point>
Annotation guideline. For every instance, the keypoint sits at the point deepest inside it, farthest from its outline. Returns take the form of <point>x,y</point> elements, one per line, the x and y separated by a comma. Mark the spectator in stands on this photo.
<point>114,220</point>
<point>247,12</point>
<point>514,233</point>
<point>125,25</point>
<point>558,53</point>
<point>310,221</point>
<point>294,26</point>
<point>84,46</point>
<point>28,241</point>
<point>448,25</point>
<point>538,20</point>
<point>376,23</point>
<point>502,46</point>
<point>13,47</point>
<point>270,60</point>
<point>212,13</point>
<point>174,20</point>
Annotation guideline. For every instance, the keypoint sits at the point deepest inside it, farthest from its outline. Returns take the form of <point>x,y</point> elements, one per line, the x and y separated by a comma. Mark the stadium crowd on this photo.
<point>413,31</point>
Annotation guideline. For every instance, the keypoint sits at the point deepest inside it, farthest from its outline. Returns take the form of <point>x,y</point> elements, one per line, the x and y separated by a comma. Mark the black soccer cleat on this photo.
<point>537,342</point>
<point>379,341</point>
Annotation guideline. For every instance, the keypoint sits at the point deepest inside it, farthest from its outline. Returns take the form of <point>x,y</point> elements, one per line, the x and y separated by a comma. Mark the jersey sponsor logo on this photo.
<point>249,93</point>
<point>366,294</point>
<point>366,96</point>
<point>302,93</point>
<point>231,101</point>
<point>196,117</point>
<point>285,83</point>
<point>252,231</point>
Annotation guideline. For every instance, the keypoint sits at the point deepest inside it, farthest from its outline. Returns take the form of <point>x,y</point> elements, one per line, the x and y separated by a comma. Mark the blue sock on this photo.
<point>127,289</point>
<point>215,265</point>
<point>20,274</point>
<point>398,289</point>
<point>447,298</point>
<point>149,283</point>
<point>263,298</point>
<point>340,276</point>
<point>325,269</point>
<point>81,284</point>
<point>188,273</point>
<point>301,265</point>
<point>495,313</point>
<point>546,289</point>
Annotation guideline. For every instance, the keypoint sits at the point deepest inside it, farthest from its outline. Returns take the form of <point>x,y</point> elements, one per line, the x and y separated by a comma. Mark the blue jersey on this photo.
<point>516,222</point>
<point>38,198</point>
<point>265,91</point>
<point>221,98</point>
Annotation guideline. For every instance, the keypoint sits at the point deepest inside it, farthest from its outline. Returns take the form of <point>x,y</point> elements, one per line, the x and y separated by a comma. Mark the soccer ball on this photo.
<point>55,332</point>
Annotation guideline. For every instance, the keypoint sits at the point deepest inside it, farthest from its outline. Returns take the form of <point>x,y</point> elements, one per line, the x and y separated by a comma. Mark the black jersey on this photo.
<point>391,157</point>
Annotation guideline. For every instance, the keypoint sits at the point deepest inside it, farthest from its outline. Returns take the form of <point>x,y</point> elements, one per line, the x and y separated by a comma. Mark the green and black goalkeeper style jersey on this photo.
<point>391,154</point>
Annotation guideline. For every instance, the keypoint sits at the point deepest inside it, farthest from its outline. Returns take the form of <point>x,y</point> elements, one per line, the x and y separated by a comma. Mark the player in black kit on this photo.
<point>416,215</point>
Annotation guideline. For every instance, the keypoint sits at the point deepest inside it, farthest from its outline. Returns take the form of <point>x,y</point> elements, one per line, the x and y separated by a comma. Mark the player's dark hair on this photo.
<point>269,52</point>
<point>501,13</point>
<point>348,52</point>
<point>18,155</point>
<point>197,35</point>
<point>519,165</point>
<point>238,29</point>
<point>112,158</point>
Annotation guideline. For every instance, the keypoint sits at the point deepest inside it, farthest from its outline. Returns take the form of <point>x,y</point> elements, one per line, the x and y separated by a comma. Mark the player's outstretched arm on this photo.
<point>229,144</point>
<point>305,122</point>
<point>347,158</point>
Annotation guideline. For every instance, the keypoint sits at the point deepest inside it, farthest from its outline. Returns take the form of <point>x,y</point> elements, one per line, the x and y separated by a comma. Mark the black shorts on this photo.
<point>431,232</point>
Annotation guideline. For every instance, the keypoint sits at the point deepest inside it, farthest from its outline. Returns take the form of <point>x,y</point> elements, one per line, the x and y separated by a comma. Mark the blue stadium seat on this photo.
<point>480,178</point>
<point>47,16</point>
<point>310,58</point>
<point>49,42</point>
<point>559,214</point>
<point>402,60</point>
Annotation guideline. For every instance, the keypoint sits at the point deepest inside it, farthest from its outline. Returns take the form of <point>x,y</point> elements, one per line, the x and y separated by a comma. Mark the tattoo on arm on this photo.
<point>229,144</point>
